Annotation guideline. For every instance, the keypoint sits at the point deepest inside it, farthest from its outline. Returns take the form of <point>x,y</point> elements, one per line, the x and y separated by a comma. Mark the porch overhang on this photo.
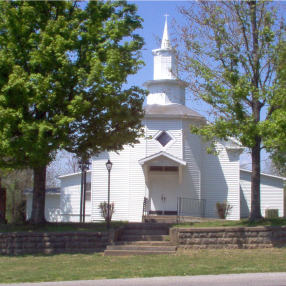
<point>162,154</point>
<point>145,163</point>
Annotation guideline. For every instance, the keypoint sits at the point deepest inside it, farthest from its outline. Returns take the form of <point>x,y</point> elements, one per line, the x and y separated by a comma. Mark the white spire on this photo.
<point>165,88</point>
<point>165,40</point>
<point>165,64</point>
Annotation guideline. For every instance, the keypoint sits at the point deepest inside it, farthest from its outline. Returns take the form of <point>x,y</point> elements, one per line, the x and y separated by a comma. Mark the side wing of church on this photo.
<point>169,170</point>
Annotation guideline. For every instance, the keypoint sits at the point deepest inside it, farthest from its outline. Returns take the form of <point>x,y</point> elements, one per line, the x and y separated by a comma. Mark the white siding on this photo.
<point>119,185</point>
<point>52,207</point>
<point>128,186</point>
<point>271,194</point>
<point>192,150</point>
<point>173,127</point>
<point>70,199</point>
<point>137,187</point>
<point>221,181</point>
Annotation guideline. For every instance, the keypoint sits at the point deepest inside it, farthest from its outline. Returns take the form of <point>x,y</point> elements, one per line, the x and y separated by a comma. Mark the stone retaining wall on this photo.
<point>227,237</point>
<point>52,242</point>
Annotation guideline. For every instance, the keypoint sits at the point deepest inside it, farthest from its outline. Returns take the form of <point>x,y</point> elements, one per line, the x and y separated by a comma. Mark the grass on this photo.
<point>59,227</point>
<point>64,267</point>
<point>232,223</point>
<point>101,226</point>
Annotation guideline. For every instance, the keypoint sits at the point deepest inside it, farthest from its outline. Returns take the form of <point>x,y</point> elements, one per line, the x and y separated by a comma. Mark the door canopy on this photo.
<point>161,156</point>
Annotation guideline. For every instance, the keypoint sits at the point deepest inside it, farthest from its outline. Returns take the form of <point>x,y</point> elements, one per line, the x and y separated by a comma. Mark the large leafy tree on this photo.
<point>278,154</point>
<point>62,70</point>
<point>230,58</point>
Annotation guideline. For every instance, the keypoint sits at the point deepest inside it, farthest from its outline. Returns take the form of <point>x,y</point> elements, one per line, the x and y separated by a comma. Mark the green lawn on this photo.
<point>79,266</point>
<point>232,223</point>
<point>59,227</point>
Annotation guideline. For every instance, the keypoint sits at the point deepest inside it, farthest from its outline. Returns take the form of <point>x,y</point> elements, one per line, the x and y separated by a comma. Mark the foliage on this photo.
<point>278,155</point>
<point>104,210</point>
<point>223,209</point>
<point>16,182</point>
<point>62,71</point>
<point>230,56</point>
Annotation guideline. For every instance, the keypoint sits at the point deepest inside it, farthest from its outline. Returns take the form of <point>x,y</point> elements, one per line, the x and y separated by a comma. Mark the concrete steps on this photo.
<point>135,252</point>
<point>142,247</point>
<point>161,219</point>
<point>144,242</point>
<point>142,239</point>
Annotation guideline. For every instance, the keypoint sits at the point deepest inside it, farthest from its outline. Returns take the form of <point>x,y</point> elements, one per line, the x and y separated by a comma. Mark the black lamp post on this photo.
<point>84,166</point>
<point>108,167</point>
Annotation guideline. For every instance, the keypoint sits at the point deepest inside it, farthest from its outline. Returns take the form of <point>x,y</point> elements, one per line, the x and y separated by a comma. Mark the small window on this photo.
<point>164,138</point>
<point>164,168</point>
<point>156,168</point>
<point>171,169</point>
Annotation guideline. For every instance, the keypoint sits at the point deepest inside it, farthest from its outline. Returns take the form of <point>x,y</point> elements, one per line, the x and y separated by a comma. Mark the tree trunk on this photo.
<point>255,213</point>
<point>39,191</point>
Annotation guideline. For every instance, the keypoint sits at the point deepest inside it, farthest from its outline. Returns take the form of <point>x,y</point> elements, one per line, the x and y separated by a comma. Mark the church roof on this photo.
<point>171,110</point>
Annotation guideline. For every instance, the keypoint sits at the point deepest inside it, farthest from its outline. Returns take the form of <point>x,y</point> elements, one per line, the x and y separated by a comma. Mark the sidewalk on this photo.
<point>251,279</point>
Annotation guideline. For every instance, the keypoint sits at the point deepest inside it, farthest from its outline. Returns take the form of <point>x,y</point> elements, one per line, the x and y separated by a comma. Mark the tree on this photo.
<point>278,154</point>
<point>62,70</point>
<point>230,58</point>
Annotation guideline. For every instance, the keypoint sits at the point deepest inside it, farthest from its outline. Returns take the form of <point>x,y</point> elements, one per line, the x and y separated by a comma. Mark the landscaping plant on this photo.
<point>104,210</point>
<point>223,209</point>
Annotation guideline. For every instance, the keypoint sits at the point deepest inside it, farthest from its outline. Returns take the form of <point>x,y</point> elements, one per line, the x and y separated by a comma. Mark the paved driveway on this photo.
<point>256,279</point>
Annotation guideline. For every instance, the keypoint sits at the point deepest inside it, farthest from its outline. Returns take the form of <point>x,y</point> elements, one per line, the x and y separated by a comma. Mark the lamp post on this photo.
<point>108,167</point>
<point>84,165</point>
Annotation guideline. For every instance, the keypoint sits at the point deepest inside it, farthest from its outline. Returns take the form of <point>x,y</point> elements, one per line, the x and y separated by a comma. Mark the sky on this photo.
<point>153,13</point>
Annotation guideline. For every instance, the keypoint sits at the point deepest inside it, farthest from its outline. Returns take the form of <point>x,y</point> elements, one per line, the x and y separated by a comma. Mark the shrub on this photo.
<point>271,213</point>
<point>223,209</point>
<point>104,210</point>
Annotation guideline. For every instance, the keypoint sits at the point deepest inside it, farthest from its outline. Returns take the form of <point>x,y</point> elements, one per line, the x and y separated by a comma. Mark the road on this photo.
<point>254,279</point>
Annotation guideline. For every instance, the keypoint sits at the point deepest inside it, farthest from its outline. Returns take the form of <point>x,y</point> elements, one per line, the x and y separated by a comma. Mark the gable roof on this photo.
<point>53,191</point>
<point>72,174</point>
<point>163,154</point>
<point>171,110</point>
<point>264,174</point>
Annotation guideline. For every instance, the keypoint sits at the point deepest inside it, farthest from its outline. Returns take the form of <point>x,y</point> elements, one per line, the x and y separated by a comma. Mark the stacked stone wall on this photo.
<point>239,237</point>
<point>52,243</point>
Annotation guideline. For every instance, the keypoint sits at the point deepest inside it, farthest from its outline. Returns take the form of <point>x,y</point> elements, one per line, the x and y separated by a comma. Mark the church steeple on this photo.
<point>165,64</point>
<point>165,88</point>
<point>165,44</point>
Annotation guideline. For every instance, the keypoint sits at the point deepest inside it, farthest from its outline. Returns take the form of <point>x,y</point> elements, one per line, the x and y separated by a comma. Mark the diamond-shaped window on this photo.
<point>164,138</point>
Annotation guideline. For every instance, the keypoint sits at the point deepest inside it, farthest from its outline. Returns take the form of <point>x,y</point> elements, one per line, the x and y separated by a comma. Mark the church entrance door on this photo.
<point>163,192</point>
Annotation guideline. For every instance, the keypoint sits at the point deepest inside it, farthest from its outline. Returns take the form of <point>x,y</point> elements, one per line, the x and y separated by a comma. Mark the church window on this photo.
<point>164,138</point>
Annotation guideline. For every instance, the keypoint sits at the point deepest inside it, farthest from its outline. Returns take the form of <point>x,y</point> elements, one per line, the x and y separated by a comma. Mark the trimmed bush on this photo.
<point>271,213</point>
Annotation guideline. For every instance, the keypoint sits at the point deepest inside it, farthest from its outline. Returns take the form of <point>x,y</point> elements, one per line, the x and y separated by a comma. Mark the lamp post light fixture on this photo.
<point>108,167</point>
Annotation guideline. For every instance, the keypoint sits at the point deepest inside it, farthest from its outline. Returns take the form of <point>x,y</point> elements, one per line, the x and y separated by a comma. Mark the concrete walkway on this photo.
<point>253,279</point>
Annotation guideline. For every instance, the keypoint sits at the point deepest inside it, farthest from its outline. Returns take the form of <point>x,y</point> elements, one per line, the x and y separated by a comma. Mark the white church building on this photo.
<point>169,169</point>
